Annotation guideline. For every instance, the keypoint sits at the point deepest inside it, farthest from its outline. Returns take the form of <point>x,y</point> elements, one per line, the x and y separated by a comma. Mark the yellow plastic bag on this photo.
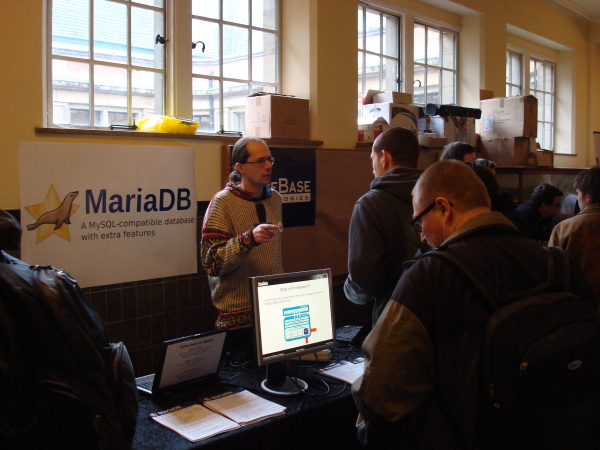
<point>166,124</point>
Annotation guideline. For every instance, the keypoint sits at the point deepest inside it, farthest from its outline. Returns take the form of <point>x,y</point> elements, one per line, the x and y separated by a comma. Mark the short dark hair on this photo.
<point>239,154</point>
<point>487,176</point>
<point>588,182</point>
<point>544,193</point>
<point>402,145</point>
<point>457,150</point>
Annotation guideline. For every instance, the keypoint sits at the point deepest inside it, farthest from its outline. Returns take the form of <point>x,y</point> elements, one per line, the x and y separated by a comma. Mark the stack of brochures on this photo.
<point>348,371</point>
<point>217,414</point>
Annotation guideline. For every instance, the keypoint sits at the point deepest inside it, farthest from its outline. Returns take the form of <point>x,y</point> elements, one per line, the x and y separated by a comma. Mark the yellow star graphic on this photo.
<point>53,216</point>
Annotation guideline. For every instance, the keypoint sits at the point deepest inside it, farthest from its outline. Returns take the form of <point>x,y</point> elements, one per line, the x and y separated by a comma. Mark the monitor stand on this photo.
<point>279,383</point>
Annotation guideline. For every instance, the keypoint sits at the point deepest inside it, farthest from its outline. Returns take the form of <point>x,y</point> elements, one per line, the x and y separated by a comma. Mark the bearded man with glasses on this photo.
<point>241,234</point>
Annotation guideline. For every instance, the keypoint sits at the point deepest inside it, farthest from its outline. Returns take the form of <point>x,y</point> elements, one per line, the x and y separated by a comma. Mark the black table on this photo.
<point>315,419</point>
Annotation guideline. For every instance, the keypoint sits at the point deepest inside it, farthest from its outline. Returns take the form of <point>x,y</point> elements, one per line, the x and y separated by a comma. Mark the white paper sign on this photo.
<point>108,213</point>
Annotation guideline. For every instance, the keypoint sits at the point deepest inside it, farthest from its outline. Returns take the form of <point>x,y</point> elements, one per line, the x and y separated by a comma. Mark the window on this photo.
<point>109,56</point>
<point>378,51</point>
<point>103,55</point>
<point>434,65</point>
<point>238,56</point>
<point>514,83</point>
<point>542,87</point>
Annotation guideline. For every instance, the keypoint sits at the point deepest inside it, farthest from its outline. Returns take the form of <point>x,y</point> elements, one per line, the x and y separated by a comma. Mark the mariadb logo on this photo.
<point>54,215</point>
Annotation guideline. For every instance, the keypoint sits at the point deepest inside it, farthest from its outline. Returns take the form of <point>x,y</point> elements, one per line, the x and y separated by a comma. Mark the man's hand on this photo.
<point>264,232</point>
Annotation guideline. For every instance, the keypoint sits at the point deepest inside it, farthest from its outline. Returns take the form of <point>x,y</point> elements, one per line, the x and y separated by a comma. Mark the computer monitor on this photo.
<point>293,316</point>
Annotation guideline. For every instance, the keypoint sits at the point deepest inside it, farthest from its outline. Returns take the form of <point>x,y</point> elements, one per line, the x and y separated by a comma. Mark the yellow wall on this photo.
<point>319,62</point>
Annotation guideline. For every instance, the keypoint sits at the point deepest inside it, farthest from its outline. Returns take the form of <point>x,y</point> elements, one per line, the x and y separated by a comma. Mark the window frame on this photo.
<point>176,74</point>
<point>439,68</point>
<point>94,113</point>
<point>362,50</point>
<point>510,84</point>
<point>221,79</point>
<point>526,60</point>
<point>543,121</point>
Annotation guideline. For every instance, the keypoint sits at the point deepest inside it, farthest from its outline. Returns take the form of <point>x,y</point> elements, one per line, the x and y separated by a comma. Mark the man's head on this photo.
<point>252,164</point>
<point>546,198</point>
<point>447,195</point>
<point>459,150</point>
<point>395,147</point>
<point>587,185</point>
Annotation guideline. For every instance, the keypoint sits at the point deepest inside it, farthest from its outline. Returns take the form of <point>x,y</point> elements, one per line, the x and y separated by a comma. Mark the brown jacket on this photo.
<point>580,237</point>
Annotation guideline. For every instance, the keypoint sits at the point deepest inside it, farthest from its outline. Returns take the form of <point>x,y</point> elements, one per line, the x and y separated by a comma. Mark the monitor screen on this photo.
<point>293,314</point>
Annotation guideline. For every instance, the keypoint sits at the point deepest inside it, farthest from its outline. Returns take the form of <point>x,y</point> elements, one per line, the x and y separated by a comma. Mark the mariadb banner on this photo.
<point>108,213</point>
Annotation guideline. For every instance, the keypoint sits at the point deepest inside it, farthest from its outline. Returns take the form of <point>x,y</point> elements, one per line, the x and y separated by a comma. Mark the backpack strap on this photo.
<point>491,295</point>
<point>404,212</point>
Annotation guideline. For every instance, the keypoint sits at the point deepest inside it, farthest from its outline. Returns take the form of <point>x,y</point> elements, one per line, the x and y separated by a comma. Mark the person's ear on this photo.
<point>443,204</point>
<point>387,159</point>
<point>239,167</point>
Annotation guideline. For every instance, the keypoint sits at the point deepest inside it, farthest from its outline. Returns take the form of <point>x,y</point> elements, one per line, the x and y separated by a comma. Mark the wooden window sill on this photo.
<point>226,138</point>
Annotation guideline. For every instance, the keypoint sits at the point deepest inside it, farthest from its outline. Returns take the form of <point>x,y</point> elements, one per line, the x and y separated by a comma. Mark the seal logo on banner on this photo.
<point>53,216</point>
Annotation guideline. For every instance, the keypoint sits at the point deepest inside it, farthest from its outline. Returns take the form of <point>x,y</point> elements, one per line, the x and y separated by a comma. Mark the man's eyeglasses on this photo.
<point>261,162</point>
<point>416,222</point>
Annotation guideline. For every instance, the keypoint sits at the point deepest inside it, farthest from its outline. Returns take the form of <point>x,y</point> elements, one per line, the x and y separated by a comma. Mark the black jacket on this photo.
<point>376,244</point>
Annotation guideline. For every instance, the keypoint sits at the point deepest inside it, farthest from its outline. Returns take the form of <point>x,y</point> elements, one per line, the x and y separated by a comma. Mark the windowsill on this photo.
<point>227,138</point>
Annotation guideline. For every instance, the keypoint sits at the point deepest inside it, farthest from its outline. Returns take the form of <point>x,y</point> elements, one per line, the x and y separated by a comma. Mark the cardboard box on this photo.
<point>544,158</point>
<point>432,140</point>
<point>515,151</point>
<point>393,97</point>
<point>396,114</point>
<point>369,130</point>
<point>485,94</point>
<point>454,128</point>
<point>386,97</point>
<point>508,117</point>
<point>277,116</point>
<point>427,157</point>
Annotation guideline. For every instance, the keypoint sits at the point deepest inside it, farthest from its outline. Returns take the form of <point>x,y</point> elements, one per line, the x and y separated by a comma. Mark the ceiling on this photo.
<point>588,9</point>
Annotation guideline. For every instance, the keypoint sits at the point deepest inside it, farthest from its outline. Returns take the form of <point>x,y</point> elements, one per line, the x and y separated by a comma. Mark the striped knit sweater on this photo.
<point>229,263</point>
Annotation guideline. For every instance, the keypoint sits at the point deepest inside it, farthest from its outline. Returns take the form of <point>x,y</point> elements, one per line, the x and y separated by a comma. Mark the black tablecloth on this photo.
<point>322,417</point>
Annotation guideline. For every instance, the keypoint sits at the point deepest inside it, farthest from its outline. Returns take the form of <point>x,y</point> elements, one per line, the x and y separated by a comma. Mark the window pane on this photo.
<point>548,106</point>
<point>236,11</point>
<point>147,93</point>
<point>448,83</point>
<point>206,103</point>
<point>419,43</point>
<point>207,62</point>
<point>70,28</point>
<point>110,91</point>
<point>110,31</point>
<point>448,47</point>
<point>373,31</point>
<point>433,47</point>
<point>234,104</point>
<point>235,52</point>
<point>157,3</point>
<point>361,28</point>
<point>533,75</point>
<point>433,86</point>
<point>419,84</point>
<point>390,35</point>
<point>145,25</point>
<point>264,57</point>
<point>206,8</point>
<point>373,69</point>
<point>390,74</point>
<point>70,89</point>
<point>264,14</point>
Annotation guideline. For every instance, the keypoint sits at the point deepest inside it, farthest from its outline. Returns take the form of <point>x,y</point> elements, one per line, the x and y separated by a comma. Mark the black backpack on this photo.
<point>541,361</point>
<point>62,384</point>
